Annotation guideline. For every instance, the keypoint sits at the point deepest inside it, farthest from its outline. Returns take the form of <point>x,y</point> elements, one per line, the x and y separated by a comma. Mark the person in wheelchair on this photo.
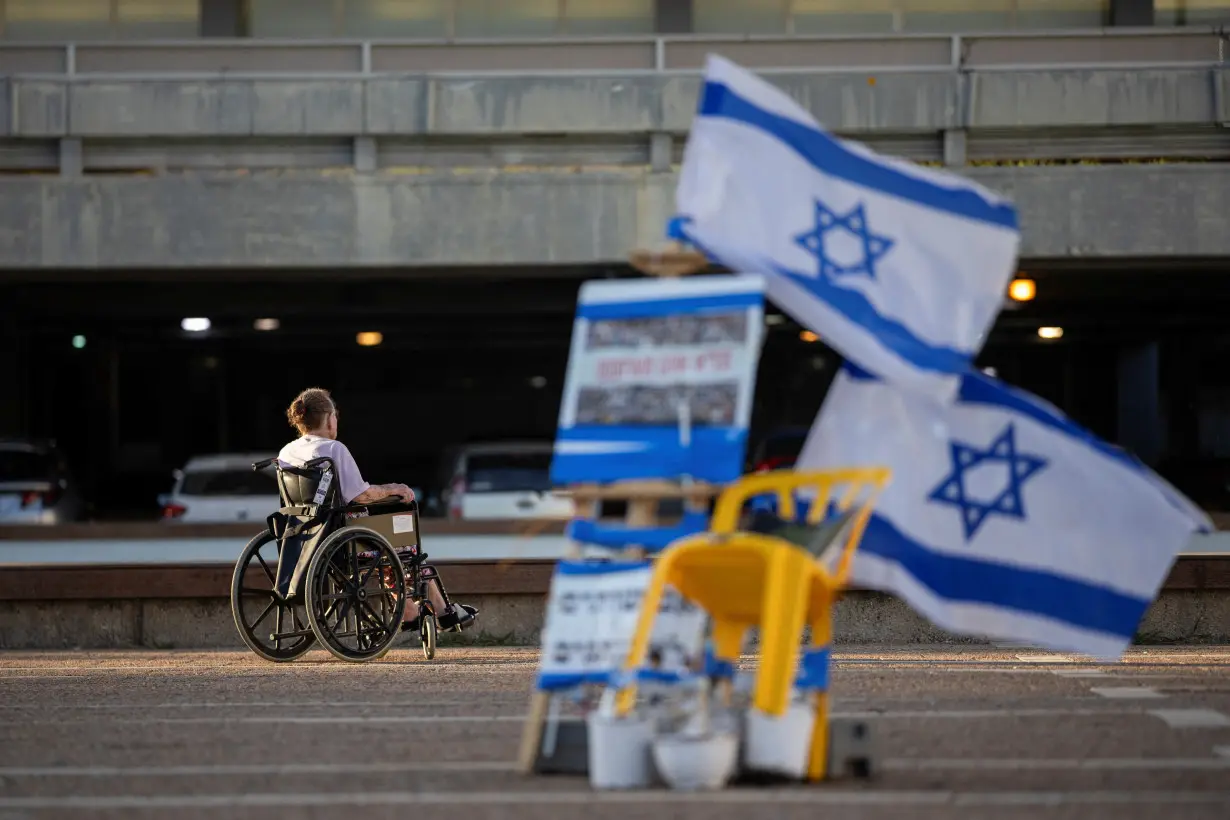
<point>314,414</point>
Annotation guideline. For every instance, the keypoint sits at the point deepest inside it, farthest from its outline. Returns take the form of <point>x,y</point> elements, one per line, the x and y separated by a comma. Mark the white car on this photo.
<point>222,488</point>
<point>503,480</point>
<point>36,485</point>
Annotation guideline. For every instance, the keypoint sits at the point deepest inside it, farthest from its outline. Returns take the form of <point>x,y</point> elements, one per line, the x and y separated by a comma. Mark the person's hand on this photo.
<point>406,493</point>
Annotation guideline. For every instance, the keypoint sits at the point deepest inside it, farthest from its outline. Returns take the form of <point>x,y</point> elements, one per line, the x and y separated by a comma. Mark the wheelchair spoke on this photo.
<point>376,620</point>
<point>255,588</point>
<point>363,581</point>
<point>340,578</point>
<point>355,596</point>
<point>265,614</point>
<point>265,567</point>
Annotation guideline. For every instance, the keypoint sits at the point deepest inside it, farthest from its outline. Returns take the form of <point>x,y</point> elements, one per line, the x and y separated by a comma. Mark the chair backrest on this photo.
<point>300,486</point>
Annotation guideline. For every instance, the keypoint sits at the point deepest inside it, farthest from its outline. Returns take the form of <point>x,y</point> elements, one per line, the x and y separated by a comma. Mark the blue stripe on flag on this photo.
<point>829,156</point>
<point>858,309</point>
<point>888,332</point>
<point>968,580</point>
<point>718,302</point>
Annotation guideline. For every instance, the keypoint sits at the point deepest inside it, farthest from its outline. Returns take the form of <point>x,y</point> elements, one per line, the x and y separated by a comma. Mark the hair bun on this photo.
<point>309,409</point>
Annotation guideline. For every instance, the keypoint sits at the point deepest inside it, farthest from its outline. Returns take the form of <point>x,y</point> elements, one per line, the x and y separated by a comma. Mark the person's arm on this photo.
<point>376,492</point>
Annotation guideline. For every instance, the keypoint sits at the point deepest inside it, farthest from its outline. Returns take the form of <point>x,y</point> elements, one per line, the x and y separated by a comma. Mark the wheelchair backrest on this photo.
<point>313,484</point>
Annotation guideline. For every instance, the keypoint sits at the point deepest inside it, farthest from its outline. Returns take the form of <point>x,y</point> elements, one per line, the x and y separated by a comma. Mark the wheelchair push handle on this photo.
<point>260,465</point>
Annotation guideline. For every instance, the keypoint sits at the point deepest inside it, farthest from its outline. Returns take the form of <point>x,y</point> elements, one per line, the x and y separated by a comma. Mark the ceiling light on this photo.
<point>266,324</point>
<point>538,382</point>
<point>369,338</point>
<point>195,325</point>
<point>1022,290</point>
<point>808,336</point>
<point>1050,332</point>
<point>78,342</point>
<point>774,319</point>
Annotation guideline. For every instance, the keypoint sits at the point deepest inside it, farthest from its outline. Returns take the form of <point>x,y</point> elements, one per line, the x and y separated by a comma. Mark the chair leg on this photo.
<point>783,613</point>
<point>821,636</point>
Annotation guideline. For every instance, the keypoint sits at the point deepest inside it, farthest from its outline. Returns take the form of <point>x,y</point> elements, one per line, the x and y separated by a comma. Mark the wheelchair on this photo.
<point>324,571</point>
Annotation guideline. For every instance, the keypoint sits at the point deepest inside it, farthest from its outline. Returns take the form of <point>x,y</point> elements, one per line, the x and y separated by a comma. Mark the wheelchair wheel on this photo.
<point>274,628</point>
<point>356,594</point>
<point>427,635</point>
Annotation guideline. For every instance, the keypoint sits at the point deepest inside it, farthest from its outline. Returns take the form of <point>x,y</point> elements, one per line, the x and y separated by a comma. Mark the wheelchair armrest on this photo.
<point>377,507</point>
<point>388,500</point>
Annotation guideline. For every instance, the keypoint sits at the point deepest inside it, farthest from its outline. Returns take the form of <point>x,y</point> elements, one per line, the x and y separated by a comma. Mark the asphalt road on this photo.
<point>963,732</point>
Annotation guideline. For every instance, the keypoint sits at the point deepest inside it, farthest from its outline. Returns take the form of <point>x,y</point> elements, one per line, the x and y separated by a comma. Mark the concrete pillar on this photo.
<point>365,155</point>
<point>222,18</point>
<point>72,162</point>
<point>1140,417</point>
<point>954,146</point>
<point>1131,12</point>
<point>672,16</point>
<point>661,151</point>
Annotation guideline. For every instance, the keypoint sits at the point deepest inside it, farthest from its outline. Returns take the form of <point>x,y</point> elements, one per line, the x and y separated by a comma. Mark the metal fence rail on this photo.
<point>1068,48</point>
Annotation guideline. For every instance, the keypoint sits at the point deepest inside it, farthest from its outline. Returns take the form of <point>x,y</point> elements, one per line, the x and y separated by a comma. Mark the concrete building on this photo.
<point>448,171</point>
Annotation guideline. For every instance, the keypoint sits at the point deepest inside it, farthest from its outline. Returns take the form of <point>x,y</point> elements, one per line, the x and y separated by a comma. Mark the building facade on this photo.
<point>348,166</point>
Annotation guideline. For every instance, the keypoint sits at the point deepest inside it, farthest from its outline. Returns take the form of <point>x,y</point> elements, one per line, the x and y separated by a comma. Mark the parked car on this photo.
<point>36,486</point>
<point>222,488</point>
<point>502,480</point>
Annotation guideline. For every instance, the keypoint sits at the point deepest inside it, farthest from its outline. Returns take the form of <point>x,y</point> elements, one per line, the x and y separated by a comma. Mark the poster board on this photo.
<point>591,616</point>
<point>661,375</point>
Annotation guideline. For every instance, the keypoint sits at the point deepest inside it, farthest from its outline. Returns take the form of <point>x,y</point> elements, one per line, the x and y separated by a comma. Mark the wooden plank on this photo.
<point>154,530</point>
<point>673,261</point>
<point>1211,573</point>
<point>643,489</point>
<point>134,581</point>
<point>144,581</point>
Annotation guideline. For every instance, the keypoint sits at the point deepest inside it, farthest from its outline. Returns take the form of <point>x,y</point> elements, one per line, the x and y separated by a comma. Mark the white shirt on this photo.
<point>305,448</point>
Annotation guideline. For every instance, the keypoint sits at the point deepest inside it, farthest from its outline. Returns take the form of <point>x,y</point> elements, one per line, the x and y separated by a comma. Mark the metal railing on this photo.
<point>1145,48</point>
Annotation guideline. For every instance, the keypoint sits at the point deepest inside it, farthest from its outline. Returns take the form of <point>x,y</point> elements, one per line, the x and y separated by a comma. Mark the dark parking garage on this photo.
<point>421,361</point>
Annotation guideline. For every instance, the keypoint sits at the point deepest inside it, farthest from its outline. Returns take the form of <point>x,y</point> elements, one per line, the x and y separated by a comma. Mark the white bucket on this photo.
<point>779,745</point>
<point>696,763</point>
<point>620,751</point>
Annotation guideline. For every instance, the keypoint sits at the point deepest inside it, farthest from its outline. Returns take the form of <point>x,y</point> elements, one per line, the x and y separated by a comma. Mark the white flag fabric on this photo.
<point>899,268</point>
<point>1003,518</point>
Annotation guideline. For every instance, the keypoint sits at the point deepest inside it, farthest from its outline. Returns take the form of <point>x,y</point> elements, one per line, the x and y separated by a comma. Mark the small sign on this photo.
<point>660,379</point>
<point>591,617</point>
<point>403,523</point>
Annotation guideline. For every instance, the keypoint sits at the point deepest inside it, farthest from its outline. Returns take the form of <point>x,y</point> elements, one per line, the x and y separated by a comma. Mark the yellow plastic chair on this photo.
<point>745,580</point>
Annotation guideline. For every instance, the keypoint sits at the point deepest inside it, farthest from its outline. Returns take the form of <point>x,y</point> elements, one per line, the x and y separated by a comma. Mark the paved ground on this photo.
<point>964,732</point>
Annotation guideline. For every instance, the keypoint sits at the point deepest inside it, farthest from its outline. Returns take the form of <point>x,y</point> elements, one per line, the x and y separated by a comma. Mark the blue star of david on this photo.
<point>1008,503</point>
<point>854,223</point>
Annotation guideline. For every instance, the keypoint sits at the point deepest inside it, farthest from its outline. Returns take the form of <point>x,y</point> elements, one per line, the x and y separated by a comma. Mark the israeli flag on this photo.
<point>1003,518</point>
<point>899,268</point>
